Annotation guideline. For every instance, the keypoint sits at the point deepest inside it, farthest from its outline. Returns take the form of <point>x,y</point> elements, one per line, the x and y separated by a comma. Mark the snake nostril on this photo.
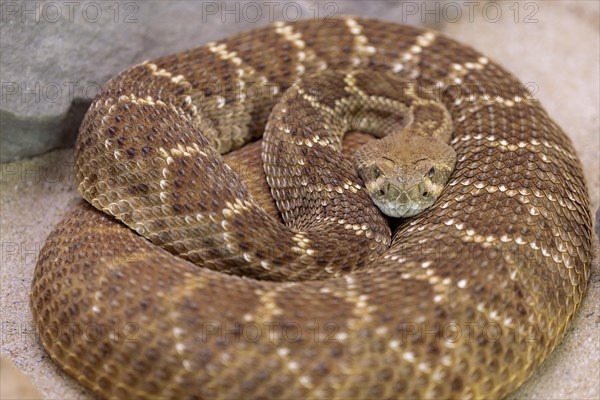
<point>425,193</point>
<point>381,192</point>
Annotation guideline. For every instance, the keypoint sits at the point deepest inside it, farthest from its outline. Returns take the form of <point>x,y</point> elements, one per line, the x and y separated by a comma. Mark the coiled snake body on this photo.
<point>464,300</point>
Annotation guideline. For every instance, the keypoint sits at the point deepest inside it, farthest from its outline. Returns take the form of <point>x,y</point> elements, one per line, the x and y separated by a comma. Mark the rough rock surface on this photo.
<point>19,386</point>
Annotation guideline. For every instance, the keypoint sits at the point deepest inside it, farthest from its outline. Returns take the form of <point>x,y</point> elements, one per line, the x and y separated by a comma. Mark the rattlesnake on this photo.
<point>465,299</point>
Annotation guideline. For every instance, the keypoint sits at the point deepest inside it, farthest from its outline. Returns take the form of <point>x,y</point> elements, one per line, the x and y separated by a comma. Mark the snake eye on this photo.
<point>376,172</point>
<point>431,172</point>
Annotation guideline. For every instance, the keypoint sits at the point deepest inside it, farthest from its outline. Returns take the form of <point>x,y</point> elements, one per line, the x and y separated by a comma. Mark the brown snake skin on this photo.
<point>463,300</point>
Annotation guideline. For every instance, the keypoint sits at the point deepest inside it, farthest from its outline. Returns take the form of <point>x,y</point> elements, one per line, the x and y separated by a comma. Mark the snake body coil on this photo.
<point>464,300</point>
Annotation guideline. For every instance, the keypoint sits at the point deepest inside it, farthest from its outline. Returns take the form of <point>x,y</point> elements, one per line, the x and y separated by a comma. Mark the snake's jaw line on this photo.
<point>405,189</point>
<point>398,201</point>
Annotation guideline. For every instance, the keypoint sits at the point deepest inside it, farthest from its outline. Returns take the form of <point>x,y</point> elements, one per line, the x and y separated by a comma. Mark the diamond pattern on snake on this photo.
<point>244,235</point>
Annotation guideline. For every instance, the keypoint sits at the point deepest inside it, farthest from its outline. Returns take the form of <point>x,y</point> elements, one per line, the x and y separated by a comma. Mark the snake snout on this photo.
<point>401,200</point>
<point>388,191</point>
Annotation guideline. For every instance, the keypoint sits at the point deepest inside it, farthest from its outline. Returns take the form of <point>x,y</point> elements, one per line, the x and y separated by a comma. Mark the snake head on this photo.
<point>405,178</point>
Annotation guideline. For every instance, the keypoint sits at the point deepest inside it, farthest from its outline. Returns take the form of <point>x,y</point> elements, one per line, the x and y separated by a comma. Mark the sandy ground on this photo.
<point>559,54</point>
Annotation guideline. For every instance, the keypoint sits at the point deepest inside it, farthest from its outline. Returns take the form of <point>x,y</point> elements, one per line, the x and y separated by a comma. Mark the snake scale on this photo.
<point>463,300</point>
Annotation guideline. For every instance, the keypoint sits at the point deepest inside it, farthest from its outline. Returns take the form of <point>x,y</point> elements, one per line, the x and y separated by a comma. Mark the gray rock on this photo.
<point>56,55</point>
